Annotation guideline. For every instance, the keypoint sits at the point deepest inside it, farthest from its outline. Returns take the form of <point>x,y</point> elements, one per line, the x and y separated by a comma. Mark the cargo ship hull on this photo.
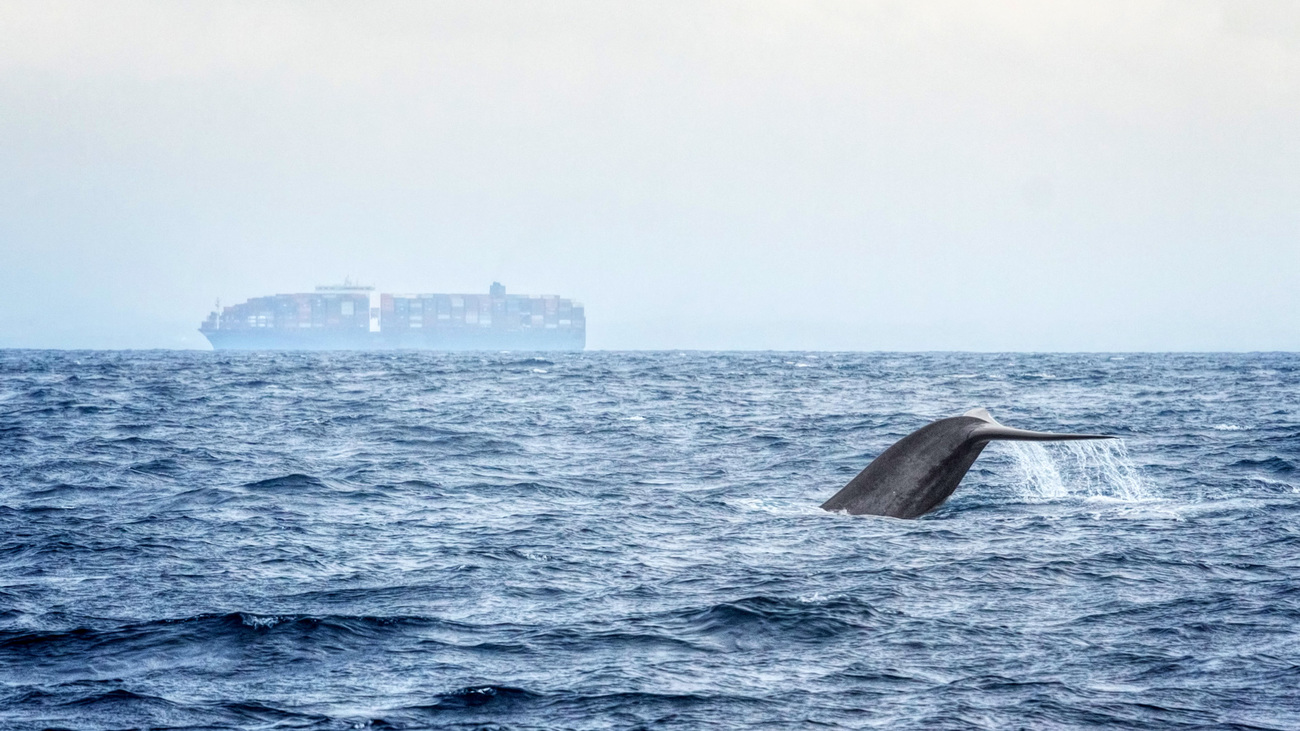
<point>457,342</point>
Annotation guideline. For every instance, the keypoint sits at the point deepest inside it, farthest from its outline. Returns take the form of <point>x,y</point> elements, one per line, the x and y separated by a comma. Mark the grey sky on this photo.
<point>890,175</point>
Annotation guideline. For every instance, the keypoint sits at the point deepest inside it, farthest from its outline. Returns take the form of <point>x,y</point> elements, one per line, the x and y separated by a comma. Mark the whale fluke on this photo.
<point>920,471</point>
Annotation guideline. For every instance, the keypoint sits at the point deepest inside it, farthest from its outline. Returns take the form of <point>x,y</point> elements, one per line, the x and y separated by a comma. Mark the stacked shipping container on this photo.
<point>335,312</point>
<point>340,318</point>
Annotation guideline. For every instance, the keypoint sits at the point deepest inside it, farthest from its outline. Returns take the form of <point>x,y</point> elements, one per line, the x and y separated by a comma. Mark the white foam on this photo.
<point>1084,469</point>
<point>256,622</point>
<point>1226,427</point>
<point>816,597</point>
<point>775,506</point>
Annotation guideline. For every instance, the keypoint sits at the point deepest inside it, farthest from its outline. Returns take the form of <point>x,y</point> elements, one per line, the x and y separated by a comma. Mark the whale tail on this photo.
<point>993,430</point>
<point>922,469</point>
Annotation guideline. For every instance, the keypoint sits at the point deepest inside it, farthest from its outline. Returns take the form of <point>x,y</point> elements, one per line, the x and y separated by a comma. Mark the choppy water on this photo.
<point>604,540</point>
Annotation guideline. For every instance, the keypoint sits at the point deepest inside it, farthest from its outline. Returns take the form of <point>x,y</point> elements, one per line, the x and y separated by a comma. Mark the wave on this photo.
<point>755,617</point>
<point>120,697</point>
<point>561,708</point>
<point>807,618</point>
<point>294,482</point>
<point>207,628</point>
<point>1276,465</point>
<point>345,540</point>
<point>477,696</point>
<point>84,704</point>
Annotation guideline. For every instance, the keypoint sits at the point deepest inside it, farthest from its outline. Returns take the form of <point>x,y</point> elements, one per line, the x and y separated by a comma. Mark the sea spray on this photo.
<point>1099,468</point>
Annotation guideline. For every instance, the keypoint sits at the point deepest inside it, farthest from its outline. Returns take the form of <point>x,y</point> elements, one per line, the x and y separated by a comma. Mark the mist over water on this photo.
<point>632,540</point>
<point>942,175</point>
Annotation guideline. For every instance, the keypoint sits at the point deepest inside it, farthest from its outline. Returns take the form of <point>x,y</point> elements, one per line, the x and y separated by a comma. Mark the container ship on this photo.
<point>351,317</point>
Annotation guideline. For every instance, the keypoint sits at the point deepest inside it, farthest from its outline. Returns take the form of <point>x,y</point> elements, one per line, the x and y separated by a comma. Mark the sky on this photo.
<point>1076,176</point>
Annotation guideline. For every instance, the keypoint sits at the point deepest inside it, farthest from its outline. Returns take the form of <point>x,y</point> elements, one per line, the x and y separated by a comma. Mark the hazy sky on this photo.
<point>856,175</point>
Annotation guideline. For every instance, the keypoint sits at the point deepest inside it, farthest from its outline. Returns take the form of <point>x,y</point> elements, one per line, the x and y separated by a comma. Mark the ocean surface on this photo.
<point>633,540</point>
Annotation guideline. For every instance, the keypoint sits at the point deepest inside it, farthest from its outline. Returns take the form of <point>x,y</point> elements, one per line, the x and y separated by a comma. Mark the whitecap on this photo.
<point>816,597</point>
<point>256,622</point>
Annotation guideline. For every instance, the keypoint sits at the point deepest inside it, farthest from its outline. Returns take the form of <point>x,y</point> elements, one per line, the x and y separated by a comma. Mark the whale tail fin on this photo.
<point>997,431</point>
<point>993,430</point>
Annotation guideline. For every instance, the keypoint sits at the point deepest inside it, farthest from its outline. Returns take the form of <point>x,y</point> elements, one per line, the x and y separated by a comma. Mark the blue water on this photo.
<point>606,540</point>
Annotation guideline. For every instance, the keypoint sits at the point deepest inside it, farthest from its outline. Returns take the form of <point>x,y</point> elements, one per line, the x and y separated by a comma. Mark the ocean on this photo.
<point>602,540</point>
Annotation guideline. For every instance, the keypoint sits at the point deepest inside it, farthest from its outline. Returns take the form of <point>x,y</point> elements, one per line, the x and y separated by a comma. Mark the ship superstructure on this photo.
<point>351,317</point>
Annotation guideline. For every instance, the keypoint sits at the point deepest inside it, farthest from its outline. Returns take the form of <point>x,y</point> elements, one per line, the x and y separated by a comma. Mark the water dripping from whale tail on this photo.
<point>1078,469</point>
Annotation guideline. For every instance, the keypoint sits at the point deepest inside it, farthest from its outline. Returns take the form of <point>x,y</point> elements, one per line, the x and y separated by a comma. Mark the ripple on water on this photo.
<point>622,540</point>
